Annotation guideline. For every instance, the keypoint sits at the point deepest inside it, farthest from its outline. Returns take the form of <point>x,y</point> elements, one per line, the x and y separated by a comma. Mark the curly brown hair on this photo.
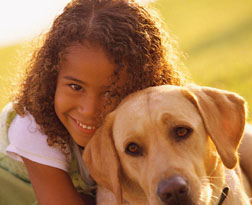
<point>127,31</point>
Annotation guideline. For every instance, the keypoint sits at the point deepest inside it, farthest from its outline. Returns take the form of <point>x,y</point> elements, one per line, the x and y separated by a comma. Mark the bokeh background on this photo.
<point>215,37</point>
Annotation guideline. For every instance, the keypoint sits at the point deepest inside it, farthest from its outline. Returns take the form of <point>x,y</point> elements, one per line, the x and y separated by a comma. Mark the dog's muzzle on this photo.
<point>174,191</point>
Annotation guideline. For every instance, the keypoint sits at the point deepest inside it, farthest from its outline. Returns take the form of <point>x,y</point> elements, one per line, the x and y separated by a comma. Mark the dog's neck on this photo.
<point>217,179</point>
<point>227,179</point>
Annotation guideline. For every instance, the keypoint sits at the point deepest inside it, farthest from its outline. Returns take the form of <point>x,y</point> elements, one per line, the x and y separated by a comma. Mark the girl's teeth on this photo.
<point>85,126</point>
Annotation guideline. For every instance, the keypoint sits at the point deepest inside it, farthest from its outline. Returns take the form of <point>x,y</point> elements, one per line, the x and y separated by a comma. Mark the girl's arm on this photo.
<point>53,186</point>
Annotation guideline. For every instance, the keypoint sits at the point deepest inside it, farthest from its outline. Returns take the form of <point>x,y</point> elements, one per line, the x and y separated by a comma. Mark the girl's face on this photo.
<point>82,86</point>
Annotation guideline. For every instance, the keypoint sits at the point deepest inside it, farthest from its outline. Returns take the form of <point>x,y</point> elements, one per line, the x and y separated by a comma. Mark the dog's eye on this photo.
<point>133,149</point>
<point>182,132</point>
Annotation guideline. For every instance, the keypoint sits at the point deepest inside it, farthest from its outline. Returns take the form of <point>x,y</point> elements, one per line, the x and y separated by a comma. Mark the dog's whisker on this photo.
<point>206,191</point>
<point>213,196</point>
<point>201,202</point>
<point>213,190</point>
<point>210,177</point>
<point>216,187</point>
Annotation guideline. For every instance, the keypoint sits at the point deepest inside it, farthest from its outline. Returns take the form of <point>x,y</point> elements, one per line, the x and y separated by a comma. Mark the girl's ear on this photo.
<point>101,158</point>
<point>224,115</point>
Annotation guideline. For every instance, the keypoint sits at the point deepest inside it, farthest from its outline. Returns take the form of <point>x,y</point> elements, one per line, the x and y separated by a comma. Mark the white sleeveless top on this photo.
<point>27,141</point>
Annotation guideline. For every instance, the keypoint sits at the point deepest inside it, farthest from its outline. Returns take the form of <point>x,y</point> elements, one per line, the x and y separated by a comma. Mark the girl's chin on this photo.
<point>82,141</point>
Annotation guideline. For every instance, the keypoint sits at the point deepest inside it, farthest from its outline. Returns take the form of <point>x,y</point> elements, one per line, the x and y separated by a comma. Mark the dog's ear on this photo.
<point>224,115</point>
<point>101,158</point>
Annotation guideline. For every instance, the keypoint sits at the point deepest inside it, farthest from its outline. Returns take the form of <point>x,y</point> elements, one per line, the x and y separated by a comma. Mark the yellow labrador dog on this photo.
<point>171,145</point>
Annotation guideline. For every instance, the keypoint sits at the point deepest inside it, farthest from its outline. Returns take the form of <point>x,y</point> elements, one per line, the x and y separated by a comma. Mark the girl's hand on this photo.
<point>53,186</point>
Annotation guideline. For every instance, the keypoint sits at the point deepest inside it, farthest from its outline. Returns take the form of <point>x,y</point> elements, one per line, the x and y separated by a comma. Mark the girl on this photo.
<point>96,53</point>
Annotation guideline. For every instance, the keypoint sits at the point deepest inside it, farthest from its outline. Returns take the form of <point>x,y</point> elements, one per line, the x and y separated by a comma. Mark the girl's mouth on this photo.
<point>88,129</point>
<point>85,126</point>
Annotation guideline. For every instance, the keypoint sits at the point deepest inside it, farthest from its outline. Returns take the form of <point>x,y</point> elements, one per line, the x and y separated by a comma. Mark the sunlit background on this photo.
<point>215,36</point>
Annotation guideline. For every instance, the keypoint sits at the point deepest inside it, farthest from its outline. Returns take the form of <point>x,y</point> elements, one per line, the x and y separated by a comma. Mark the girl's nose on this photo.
<point>88,106</point>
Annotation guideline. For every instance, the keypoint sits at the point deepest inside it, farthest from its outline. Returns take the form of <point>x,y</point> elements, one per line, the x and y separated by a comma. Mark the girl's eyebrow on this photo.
<point>74,79</point>
<point>82,82</point>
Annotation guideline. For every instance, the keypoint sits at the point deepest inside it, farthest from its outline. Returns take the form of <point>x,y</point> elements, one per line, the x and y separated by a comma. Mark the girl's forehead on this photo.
<point>90,63</point>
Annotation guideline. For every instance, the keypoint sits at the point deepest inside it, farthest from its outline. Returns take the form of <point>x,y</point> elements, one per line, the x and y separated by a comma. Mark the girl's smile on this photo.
<point>87,129</point>
<point>84,78</point>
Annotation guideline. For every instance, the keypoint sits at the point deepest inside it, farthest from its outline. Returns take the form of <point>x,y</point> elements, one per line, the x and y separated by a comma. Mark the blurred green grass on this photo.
<point>215,36</point>
<point>9,63</point>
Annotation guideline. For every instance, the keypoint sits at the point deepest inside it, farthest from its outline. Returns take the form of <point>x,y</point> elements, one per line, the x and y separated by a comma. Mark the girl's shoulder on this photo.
<point>26,140</point>
<point>6,117</point>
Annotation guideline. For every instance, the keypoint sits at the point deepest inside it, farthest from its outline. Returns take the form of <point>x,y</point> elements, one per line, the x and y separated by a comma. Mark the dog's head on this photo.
<point>165,137</point>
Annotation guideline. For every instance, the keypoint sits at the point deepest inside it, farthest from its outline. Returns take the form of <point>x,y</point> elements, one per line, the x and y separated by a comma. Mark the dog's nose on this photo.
<point>173,190</point>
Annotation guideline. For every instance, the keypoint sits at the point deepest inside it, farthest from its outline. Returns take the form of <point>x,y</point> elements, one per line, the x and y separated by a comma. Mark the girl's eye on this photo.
<point>182,132</point>
<point>75,87</point>
<point>133,149</point>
